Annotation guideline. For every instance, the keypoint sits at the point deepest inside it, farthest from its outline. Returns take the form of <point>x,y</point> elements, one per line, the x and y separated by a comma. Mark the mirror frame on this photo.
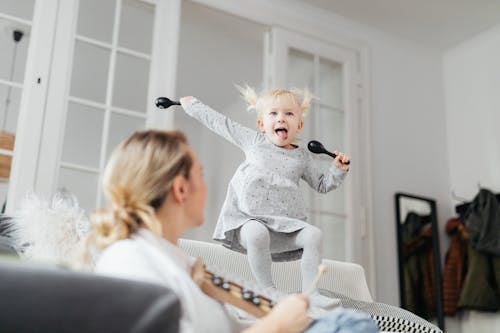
<point>435,253</point>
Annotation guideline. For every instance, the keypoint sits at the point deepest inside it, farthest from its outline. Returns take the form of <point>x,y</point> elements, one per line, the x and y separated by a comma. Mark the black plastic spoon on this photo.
<point>317,148</point>
<point>164,102</point>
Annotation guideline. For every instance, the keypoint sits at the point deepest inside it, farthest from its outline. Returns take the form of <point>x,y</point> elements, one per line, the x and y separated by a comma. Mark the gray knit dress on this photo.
<point>265,186</point>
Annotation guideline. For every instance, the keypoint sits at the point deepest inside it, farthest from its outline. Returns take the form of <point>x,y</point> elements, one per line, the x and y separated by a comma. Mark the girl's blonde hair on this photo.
<point>136,182</point>
<point>260,102</point>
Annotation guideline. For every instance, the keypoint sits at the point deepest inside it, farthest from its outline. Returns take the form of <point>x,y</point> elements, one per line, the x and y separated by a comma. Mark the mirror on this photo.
<point>420,285</point>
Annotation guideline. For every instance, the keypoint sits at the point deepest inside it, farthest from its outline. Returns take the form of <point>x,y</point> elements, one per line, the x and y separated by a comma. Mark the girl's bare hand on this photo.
<point>341,160</point>
<point>186,100</point>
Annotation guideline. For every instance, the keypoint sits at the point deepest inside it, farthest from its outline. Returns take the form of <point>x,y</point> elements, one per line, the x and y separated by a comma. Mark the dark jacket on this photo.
<point>482,219</point>
<point>481,286</point>
<point>482,282</point>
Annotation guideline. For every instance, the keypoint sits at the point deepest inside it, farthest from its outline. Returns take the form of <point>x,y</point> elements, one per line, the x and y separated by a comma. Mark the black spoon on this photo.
<point>164,102</point>
<point>317,148</point>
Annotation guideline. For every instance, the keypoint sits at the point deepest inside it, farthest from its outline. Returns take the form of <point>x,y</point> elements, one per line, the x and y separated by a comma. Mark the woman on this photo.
<point>156,192</point>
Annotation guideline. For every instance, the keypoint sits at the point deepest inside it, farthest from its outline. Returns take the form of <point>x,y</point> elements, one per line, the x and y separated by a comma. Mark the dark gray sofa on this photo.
<point>41,299</point>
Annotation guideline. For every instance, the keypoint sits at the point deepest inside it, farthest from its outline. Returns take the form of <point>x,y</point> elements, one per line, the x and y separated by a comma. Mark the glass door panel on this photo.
<point>121,126</point>
<point>14,41</point>
<point>333,131</point>
<point>302,75</point>
<point>11,96</point>
<point>330,83</point>
<point>90,72</point>
<point>19,8</point>
<point>82,138</point>
<point>96,19</point>
<point>131,82</point>
<point>109,88</point>
<point>136,26</point>
<point>82,183</point>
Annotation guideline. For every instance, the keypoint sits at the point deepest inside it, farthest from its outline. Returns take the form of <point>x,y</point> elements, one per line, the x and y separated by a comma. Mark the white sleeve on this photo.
<point>322,182</point>
<point>122,260</point>
<point>230,130</point>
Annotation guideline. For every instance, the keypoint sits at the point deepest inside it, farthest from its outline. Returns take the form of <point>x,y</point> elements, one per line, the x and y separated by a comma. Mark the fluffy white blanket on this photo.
<point>50,230</point>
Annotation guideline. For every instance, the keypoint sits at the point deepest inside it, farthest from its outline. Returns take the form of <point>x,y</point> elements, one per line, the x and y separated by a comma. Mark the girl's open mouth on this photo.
<point>282,133</point>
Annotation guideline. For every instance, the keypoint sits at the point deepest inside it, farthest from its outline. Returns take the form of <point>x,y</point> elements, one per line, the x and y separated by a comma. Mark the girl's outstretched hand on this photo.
<point>186,100</point>
<point>341,160</point>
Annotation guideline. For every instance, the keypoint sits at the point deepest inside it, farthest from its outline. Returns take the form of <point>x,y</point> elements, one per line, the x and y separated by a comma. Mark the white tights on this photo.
<point>256,239</point>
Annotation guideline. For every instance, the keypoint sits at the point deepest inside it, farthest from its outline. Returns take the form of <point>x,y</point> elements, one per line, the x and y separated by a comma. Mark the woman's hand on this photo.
<point>341,160</point>
<point>186,100</point>
<point>288,316</point>
<point>291,313</point>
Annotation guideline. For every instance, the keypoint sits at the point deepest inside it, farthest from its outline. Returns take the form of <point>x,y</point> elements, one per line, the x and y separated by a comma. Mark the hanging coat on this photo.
<point>482,219</point>
<point>454,267</point>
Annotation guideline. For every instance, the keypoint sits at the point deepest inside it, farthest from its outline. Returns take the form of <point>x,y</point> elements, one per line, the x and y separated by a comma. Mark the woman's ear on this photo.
<point>179,189</point>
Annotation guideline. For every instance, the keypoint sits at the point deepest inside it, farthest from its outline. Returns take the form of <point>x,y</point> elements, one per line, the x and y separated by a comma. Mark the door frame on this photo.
<point>33,102</point>
<point>280,41</point>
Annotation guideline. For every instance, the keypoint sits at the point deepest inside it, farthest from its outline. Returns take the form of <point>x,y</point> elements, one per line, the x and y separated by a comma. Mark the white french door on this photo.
<point>331,73</point>
<point>108,60</point>
<point>110,89</point>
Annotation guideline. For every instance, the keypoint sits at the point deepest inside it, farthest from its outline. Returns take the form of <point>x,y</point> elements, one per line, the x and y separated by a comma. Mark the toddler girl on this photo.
<point>264,214</point>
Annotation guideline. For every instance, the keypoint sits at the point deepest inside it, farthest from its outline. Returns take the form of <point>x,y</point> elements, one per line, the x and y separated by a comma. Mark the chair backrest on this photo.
<point>41,299</point>
<point>341,277</point>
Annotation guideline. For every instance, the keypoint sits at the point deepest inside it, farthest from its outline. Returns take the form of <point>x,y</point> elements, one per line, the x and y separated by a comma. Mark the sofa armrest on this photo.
<point>347,279</point>
<point>341,277</point>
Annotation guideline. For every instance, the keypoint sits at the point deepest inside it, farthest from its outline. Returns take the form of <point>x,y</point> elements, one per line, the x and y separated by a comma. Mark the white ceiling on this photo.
<point>438,24</point>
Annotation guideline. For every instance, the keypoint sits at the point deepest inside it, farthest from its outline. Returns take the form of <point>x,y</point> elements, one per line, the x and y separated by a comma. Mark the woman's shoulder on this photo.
<point>126,259</point>
<point>116,254</point>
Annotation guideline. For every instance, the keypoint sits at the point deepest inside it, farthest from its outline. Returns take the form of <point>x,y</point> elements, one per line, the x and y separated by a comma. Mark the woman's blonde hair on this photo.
<point>259,102</point>
<point>136,181</point>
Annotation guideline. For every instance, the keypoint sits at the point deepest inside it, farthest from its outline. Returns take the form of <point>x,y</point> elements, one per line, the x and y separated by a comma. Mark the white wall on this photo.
<point>472,79</point>
<point>216,51</point>
<point>417,146</point>
<point>408,139</point>
<point>408,144</point>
